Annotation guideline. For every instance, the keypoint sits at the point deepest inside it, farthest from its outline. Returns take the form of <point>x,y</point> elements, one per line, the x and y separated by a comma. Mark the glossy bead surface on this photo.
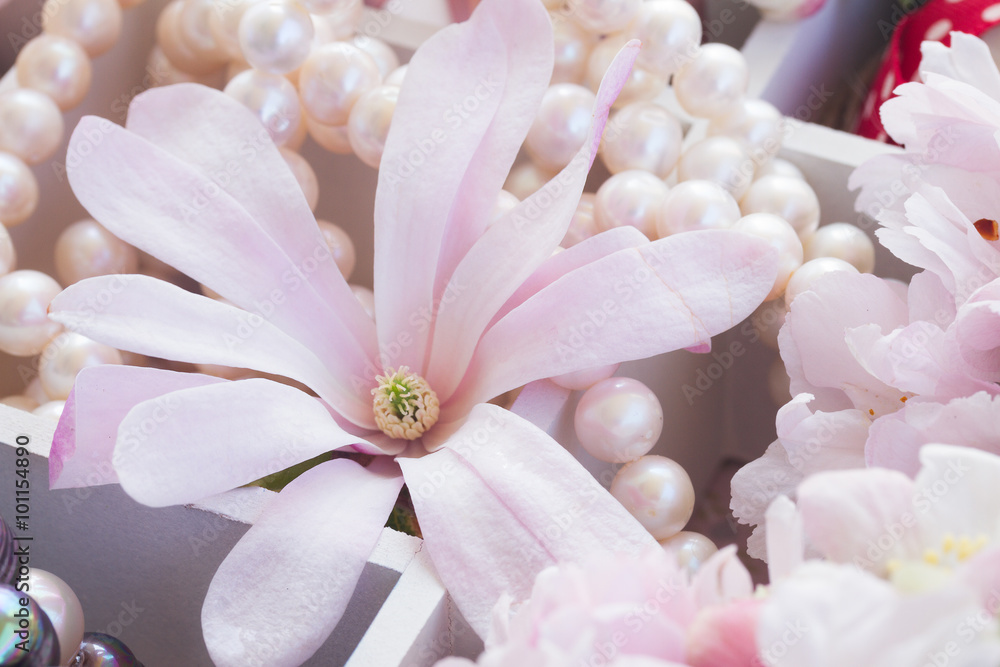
<point>657,492</point>
<point>692,549</point>
<point>778,167</point>
<point>582,225</point>
<point>561,125</point>
<point>787,197</point>
<point>618,420</point>
<point>100,650</point>
<point>383,55</point>
<point>341,247</point>
<point>25,327</point>
<point>642,135</point>
<point>631,198</point>
<point>43,643</point>
<point>572,51</point>
<point>782,238</point>
<point>275,36</point>
<point>368,124</point>
<point>641,85</point>
<point>18,190</point>
<point>670,32</point>
<point>721,160</point>
<point>224,22</point>
<point>333,79</point>
<point>186,49</point>
<point>843,241</point>
<point>713,82</point>
<point>696,205</point>
<point>396,76</point>
<point>525,179</point>
<point>68,354</point>
<point>757,124</point>
<point>604,16</point>
<point>63,608</point>
<point>93,24</point>
<point>366,297</point>
<point>8,256</point>
<point>31,125</point>
<point>56,66</point>
<point>807,275</point>
<point>304,174</point>
<point>86,249</point>
<point>272,98</point>
<point>52,410</point>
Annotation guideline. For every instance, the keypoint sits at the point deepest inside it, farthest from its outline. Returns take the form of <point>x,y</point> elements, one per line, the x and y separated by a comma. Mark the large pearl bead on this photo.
<point>713,82</point>
<point>807,275</point>
<point>333,79</point>
<point>18,190</point>
<point>843,241</point>
<point>93,24</point>
<point>67,355</point>
<point>757,124</point>
<point>604,16</point>
<point>778,167</point>
<point>561,125</point>
<point>275,36</point>
<point>642,135</point>
<point>657,492</point>
<point>43,642</point>
<point>272,98</point>
<point>184,42</point>
<point>100,650</point>
<point>8,257</point>
<point>789,198</point>
<point>31,125</point>
<point>582,225</point>
<point>385,58</point>
<point>57,67</point>
<point>86,249</point>
<point>224,22</point>
<point>368,124</point>
<point>585,379</point>
<point>25,327</point>
<point>63,608</point>
<point>641,85</point>
<point>719,159</point>
<point>618,420</point>
<point>697,205</point>
<point>691,549</point>
<point>782,238</point>
<point>396,76</point>
<point>526,178</point>
<point>631,197</point>
<point>572,50</point>
<point>304,174</point>
<point>670,32</point>
<point>341,247</point>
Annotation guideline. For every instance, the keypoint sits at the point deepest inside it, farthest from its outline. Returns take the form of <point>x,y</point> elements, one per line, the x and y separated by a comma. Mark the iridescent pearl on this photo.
<point>333,79</point>
<point>43,643</point>
<point>304,174</point>
<point>86,249</point>
<point>641,85</point>
<point>345,21</point>
<point>31,125</point>
<point>325,6</point>
<point>618,420</point>
<point>582,225</point>
<point>396,76</point>
<point>18,190</point>
<point>163,72</point>
<point>697,205</point>
<point>195,24</point>
<point>20,402</point>
<point>57,67</point>
<point>631,197</point>
<point>843,241</point>
<point>100,650</point>
<point>670,32</point>
<point>8,258</point>
<point>368,124</point>
<point>807,275</point>
<point>67,355</point>
<point>642,135</point>
<point>790,198</point>
<point>572,51</point>
<point>52,410</point>
<point>366,297</point>
<point>721,160</point>
<point>275,36</point>
<point>25,327</point>
<point>604,16</point>
<point>757,124</point>
<point>224,22</point>
<point>8,559</point>
<point>93,24</point>
<point>782,238</point>
<point>63,608</point>
<point>778,383</point>
<point>691,549</point>
<point>36,391</point>
<point>272,98</point>
<point>713,82</point>
<point>525,179</point>
<point>183,48</point>
<point>657,492</point>
<point>333,138</point>
<point>504,204</point>
<point>778,167</point>
<point>383,55</point>
<point>341,247</point>
<point>561,125</point>
<point>585,379</point>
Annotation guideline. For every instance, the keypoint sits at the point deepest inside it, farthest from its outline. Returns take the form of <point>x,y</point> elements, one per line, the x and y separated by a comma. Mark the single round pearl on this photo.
<point>275,36</point>
<point>52,410</point>
<point>767,321</point>
<point>642,135</point>
<point>504,204</point>
<point>271,98</point>
<point>31,125</point>
<point>778,383</point>
<point>163,72</point>
<point>582,225</point>
<point>807,275</point>
<point>631,197</point>
<point>57,67</point>
<point>341,247</point>
<point>757,124</point>
<point>697,205</point>
<point>525,179</point>
<point>843,241</point>
<point>36,391</point>
<point>93,24</point>
<point>224,22</point>
<point>561,125</point>
<point>63,608</point>
<point>778,167</point>
<point>604,16</point>
<point>333,79</point>
<point>181,44</point>
<point>20,402</point>
<point>8,257</point>
<point>585,379</point>
<point>790,198</point>
<point>345,21</point>
<point>18,190</point>
<point>657,492</point>
<point>713,82</point>
<point>383,55</point>
<point>396,76</point>
<point>691,549</point>
<point>618,420</point>
<point>721,160</point>
<point>25,327</point>
<point>333,138</point>
<point>304,174</point>
<point>670,32</point>
<point>65,356</point>
<point>366,297</point>
<point>782,238</point>
<point>368,124</point>
<point>572,51</point>
<point>86,249</point>
<point>195,24</point>
<point>641,85</point>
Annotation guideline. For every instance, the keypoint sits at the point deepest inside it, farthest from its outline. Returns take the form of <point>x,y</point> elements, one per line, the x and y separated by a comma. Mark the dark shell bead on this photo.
<point>42,644</point>
<point>100,650</point>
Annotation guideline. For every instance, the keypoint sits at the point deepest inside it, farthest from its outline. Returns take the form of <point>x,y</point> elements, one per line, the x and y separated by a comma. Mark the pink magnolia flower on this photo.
<point>465,310</point>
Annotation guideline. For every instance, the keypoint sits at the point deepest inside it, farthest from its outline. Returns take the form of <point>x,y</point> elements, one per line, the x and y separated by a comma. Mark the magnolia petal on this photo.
<point>216,438</point>
<point>153,317</point>
<point>84,440</point>
<point>527,504</point>
<point>284,586</point>
<point>470,95</point>
<point>514,246</point>
<point>632,304</point>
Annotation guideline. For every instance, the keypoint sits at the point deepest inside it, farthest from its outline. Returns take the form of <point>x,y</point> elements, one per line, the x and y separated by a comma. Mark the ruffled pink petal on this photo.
<point>959,490</point>
<point>721,579</point>
<point>514,246</point>
<point>212,439</point>
<point>153,317</point>
<point>284,587</point>
<point>633,304</point>
<point>725,636</point>
<point>84,440</point>
<point>470,95</point>
<point>785,538</point>
<point>526,504</point>
<point>967,59</point>
<point>755,485</point>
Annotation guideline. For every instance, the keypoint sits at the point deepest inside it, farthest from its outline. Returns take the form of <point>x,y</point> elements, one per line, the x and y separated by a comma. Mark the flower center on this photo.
<point>405,405</point>
<point>935,568</point>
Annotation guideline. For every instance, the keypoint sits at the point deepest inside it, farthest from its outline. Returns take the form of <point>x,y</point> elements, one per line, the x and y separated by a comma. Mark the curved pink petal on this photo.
<point>525,502</point>
<point>721,579</point>
<point>213,439</point>
<point>84,440</point>
<point>967,506</point>
<point>153,317</point>
<point>514,246</point>
<point>967,59</point>
<point>644,301</point>
<point>283,588</point>
<point>470,95</point>
<point>173,211</point>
